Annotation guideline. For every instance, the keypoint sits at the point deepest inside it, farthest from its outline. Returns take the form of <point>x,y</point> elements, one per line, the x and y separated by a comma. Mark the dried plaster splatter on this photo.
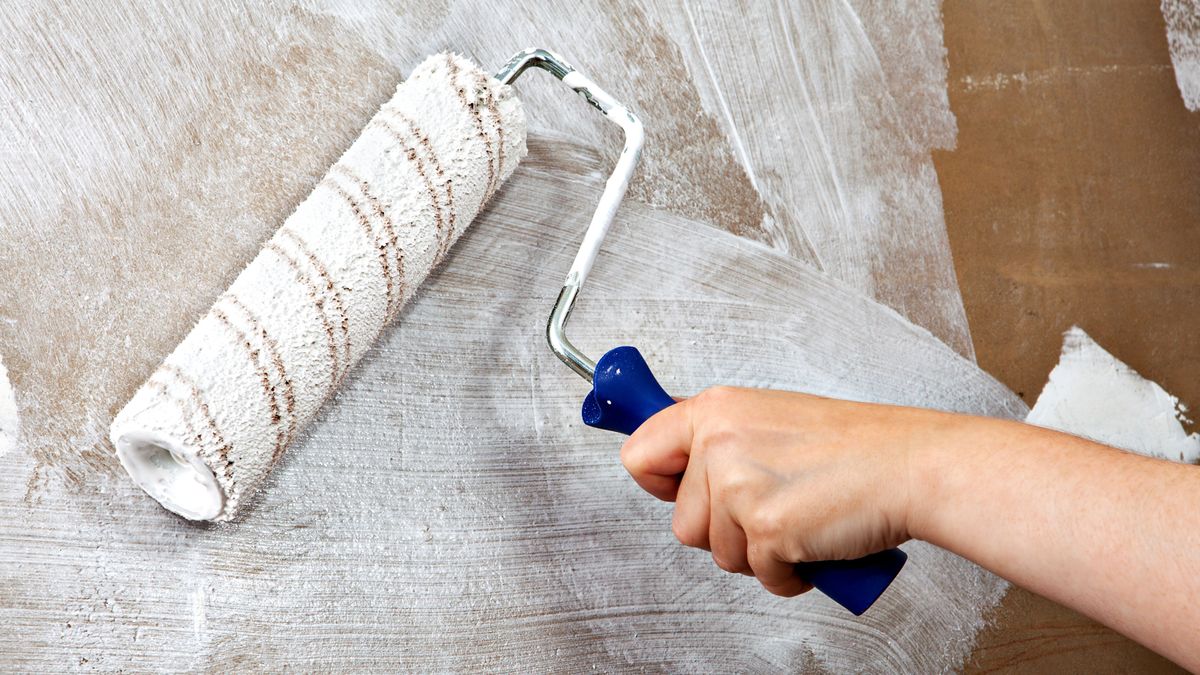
<point>1093,394</point>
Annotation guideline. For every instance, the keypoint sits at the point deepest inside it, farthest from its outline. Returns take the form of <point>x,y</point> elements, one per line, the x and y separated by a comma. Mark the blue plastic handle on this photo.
<point>625,394</point>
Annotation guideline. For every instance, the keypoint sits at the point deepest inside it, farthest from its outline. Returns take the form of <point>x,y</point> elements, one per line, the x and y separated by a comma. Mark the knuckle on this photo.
<point>756,556</point>
<point>686,535</point>
<point>724,563</point>
<point>713,405</point>
<point>733,480</point>
<point>765,522</point>
<point>718,432</point>
<point>784,590</point>
<point>627,456</point>
<point>728,488</point>
<point>717,395</point>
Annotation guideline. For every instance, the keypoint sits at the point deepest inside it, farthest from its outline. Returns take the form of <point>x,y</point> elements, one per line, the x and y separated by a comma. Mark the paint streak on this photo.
<point>10,424</point>
<point>906,36</point>
<point>1054,76</point>
<point>843,170</point>
<point>199,615</point>
<point>1183,37</point>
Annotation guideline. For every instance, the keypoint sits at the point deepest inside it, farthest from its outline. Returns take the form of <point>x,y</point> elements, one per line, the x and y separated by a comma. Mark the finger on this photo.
<point>661,445</point>
<point>665,488</point>
<point>728,543</point>
<point>690,522</point>
<point>776,575</point>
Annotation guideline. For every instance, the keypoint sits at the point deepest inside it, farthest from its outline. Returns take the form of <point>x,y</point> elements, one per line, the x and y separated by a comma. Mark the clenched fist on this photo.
<point>766,479</point>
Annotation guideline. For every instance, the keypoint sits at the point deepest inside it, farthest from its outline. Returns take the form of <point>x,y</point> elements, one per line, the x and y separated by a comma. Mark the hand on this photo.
<point>766,479</point>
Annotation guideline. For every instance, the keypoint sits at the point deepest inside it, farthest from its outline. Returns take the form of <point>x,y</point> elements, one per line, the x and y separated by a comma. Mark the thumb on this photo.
<point>657,453</point>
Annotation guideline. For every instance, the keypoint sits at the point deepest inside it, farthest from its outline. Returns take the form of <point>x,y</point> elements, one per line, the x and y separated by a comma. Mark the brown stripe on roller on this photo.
<point>490,103</point>
<point>365,222</point>
<point>339,305</point>
<point>314,294</point>
<point>414,158</point>
<point>478,118</point>
<point>272,348</point>
<point>391,241</point>
<point>239,336</point>
<point>197,398</point>
<point>447,181</point>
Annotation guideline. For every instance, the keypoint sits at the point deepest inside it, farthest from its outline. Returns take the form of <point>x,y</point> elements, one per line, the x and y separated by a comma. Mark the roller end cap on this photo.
<point>176,477</point>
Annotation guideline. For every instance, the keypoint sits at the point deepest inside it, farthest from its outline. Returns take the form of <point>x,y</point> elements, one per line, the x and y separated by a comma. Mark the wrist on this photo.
<point>941,463</point>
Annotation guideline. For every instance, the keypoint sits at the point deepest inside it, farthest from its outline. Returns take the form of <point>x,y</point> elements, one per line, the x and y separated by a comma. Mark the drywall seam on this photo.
<point>1093,394</point>
<point>1183,38</point>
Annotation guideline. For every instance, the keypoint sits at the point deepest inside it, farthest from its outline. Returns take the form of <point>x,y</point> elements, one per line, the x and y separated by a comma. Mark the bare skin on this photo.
<point>766,479</point>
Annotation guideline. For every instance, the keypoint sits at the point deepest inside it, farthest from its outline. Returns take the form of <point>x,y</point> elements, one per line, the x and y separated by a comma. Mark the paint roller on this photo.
<point>203,432</point>
<point>624,392</point>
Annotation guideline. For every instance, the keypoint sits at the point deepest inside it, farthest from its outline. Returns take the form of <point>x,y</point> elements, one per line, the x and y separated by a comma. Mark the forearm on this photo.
<point>1102,531</point>
<point>774,478</point>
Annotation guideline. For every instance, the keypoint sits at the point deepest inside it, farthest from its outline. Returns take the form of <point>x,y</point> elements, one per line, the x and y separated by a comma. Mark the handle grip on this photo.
<point>625,394</point>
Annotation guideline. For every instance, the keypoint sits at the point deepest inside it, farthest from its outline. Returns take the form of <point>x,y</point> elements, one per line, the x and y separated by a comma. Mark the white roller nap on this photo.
<point>207,426</point>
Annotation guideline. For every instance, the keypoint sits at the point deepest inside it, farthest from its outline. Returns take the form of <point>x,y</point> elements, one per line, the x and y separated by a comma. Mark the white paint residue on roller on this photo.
<point>1093,394</point>
<point>203,432</point>
<point>9,422</point>
<point>1183,37</point>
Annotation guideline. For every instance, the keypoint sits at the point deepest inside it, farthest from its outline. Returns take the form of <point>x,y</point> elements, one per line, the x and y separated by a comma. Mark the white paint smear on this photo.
<point>1045,76</point>
<point>804,125</point>
<point>448,510</point>
<point>1183,38</point>
<point>1092,394</point>
<point>841,163</point>
<point>906,36</point>
<point>199,618</point>
<point>9,422</point>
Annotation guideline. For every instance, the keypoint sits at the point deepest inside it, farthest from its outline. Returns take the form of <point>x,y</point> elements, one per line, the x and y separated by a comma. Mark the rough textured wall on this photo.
<point>447,510</point>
